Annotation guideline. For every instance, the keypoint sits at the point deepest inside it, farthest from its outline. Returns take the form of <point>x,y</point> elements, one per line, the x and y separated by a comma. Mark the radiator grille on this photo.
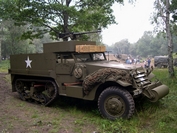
<point>141,79</point>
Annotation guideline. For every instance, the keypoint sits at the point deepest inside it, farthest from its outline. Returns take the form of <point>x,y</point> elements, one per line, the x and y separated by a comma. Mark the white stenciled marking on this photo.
<point>28,62</point>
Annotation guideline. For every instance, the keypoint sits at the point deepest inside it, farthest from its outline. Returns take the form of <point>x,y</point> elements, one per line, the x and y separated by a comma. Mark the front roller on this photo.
<point>114,103</point>
<point>159,92</point>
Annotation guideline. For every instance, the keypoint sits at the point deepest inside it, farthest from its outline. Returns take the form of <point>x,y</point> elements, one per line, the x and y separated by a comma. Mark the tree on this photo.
<point>122,47</point>
<point>159,45</point>
<point>55,16</point>
<point>173,9</point>
<point>144,44</point>
<point>1,36</point>
<point>162,14</point>
<point>10,41</point>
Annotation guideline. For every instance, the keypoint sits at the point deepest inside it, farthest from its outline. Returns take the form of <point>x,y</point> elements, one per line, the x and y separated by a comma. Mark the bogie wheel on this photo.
<point>43,99</point>
<point>49,90</point>
<point>19,86</point>
<point>22,96</point>
<point>114,103</point>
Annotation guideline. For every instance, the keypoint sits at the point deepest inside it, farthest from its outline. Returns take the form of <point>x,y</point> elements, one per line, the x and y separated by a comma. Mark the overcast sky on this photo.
<point>132,21</point>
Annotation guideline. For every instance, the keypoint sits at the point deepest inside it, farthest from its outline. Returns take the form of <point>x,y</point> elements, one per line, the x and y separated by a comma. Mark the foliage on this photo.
<point>174,55</point>
<point>162,18</point>
<point>148,45</point>
<point>4,65</point>
<point>122,47</point>
<point>173,9</point>
<point>11,42</point>
<point>144,44</point>
<point>38,43</point>
<point>46,16</point>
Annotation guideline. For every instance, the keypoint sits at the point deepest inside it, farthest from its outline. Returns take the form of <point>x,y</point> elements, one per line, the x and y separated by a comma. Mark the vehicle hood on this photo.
<point>110,64</point>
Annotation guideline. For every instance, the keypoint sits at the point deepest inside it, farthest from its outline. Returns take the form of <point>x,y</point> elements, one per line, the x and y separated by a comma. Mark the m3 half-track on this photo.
<point>79,69</point>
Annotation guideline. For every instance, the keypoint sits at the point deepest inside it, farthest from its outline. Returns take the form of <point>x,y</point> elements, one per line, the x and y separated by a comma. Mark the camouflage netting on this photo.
<point>103,74</point>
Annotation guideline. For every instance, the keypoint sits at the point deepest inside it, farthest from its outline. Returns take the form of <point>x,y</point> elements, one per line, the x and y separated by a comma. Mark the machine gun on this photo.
<point>74,35</point>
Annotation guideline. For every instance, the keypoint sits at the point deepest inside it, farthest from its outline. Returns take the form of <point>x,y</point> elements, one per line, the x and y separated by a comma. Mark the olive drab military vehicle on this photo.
<point>79,69</point>
<point>161,61</point>
<point>175,62</point>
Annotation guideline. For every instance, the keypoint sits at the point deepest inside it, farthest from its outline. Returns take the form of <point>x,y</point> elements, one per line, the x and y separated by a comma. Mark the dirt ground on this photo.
<point>17,116</point>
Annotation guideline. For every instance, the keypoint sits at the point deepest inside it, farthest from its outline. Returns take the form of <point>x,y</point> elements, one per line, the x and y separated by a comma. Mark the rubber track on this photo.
<point>45,81</point>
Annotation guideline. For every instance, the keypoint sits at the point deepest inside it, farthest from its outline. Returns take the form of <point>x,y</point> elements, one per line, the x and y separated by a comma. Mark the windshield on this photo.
<point>90,57</point>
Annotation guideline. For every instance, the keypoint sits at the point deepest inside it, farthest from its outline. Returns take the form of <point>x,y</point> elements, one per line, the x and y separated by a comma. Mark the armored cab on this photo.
<point>80,69</point>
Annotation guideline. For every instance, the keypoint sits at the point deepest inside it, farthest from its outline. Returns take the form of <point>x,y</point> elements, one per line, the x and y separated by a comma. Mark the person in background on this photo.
<point>149,62</point>
<point>145,64</point>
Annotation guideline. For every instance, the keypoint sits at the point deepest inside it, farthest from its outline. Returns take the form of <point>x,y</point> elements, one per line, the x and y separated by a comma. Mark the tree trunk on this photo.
<point>170,42</point>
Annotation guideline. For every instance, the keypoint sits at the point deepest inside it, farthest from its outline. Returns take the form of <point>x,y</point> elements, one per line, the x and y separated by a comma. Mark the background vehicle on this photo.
<point>175,62</point>
<point>80,69</point>
<point>161,61</point>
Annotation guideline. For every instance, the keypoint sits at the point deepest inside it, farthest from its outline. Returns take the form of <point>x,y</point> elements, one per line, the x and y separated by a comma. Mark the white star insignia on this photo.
<point>28,62</point>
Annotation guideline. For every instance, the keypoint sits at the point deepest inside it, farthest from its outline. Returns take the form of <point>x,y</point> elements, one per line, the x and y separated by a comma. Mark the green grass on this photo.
<point>4,65</point>
<point>159,117</point>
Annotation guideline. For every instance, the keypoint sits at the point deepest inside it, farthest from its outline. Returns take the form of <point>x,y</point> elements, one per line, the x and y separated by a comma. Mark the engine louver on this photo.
<point>141,79</point>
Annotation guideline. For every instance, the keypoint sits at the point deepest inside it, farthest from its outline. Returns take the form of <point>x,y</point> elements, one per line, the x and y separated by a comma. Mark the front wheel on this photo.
<point>114,103</point>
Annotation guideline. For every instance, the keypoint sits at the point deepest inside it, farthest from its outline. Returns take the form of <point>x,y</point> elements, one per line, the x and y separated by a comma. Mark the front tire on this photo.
<point>114,103</point>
